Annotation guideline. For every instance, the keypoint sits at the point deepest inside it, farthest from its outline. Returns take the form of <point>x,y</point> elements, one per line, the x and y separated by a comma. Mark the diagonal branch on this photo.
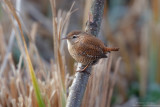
<point>80,81</point>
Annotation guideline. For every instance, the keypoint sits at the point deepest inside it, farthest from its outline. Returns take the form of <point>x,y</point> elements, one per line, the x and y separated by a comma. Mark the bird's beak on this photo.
<point>64,38</point>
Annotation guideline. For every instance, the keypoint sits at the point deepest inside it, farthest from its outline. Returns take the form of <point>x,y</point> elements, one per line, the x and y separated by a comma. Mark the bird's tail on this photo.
<point>111,49</point>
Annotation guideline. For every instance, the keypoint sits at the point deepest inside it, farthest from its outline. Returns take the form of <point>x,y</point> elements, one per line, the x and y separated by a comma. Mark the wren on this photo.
<point>86,48</point>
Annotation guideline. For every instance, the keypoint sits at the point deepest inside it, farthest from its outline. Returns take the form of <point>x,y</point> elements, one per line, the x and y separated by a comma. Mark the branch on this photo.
<point>80,81</point>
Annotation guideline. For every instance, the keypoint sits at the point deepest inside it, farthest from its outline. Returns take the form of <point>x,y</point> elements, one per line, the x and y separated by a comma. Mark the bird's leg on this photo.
<point>82,70</point>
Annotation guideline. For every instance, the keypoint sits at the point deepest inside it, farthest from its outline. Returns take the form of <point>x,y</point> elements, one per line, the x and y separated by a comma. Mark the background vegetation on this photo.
<point>131,25</point>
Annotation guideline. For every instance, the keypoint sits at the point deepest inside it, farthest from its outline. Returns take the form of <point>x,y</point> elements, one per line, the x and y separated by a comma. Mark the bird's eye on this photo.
<point>74,36</point>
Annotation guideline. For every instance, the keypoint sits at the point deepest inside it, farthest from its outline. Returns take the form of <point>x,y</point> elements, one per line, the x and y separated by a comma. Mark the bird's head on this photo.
<point>72,37</point>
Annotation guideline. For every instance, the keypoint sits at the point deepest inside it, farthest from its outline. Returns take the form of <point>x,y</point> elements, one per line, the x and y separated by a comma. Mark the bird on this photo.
<point>86,48</point>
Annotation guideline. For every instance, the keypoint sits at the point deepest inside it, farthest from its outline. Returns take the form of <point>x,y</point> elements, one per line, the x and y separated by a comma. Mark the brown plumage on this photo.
<point>86,48</point>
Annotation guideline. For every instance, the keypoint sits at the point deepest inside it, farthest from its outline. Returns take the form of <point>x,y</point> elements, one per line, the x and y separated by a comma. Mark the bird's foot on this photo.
<point>83,71</point>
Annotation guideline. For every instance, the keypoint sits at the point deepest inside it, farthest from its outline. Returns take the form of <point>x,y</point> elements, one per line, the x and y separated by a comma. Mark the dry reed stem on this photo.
<point>99,84</point>
<point>110,92</point>
<point>27,58</point>
<point>58,27</point>
<point>2,44</point>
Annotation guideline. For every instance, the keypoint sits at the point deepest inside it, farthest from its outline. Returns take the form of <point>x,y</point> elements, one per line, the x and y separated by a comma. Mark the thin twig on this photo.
<point>80,81</point>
